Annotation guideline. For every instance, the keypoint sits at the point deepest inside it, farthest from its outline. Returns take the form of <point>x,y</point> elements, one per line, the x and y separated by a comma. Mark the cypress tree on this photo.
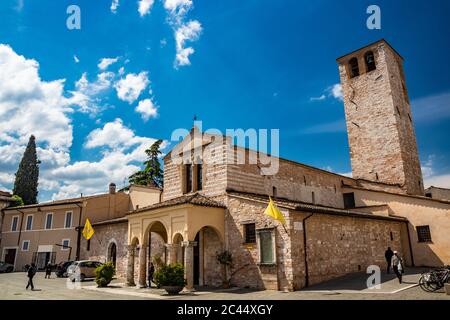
<point>27,175</point>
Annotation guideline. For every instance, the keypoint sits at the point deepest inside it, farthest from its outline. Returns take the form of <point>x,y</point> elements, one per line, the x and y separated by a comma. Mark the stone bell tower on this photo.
<point>380,128</point>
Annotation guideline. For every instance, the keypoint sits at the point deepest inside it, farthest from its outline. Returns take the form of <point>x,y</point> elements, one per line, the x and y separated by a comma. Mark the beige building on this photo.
<point>48,232</point>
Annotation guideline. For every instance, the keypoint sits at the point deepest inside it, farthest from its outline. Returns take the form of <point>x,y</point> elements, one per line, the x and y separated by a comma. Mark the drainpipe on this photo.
<point>77,257</point>
<point>20,229</point>
<point>305,250</point>
<point>409,243</point>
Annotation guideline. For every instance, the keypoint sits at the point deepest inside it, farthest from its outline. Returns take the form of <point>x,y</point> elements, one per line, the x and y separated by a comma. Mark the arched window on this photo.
<point>354,68</point>
<point>370,61</point>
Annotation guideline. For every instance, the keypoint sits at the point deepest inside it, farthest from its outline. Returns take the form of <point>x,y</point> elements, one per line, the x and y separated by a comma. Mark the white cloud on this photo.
<point>336,92</point>
<point>145,6</point>
<point>431,108</point>
<point>322,97</point>
<point>328,127</point>
<point>106,62</point>
<point>131,87</point>
<point>147,109</point>
<point>187,32</point>
<point>427,167</point>
<point>441,181</point>
<point>163,42</point>
<point>177,9</point>
<point>121,70</point>
<point>114,6</point>
<point>75,58</point>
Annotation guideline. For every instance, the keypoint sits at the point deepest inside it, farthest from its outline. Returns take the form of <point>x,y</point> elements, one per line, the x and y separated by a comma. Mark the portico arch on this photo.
<point>132,248</point>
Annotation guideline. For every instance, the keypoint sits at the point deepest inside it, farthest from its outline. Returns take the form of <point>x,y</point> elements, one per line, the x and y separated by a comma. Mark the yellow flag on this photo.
<point>88,231</point>
<point>274,212</point>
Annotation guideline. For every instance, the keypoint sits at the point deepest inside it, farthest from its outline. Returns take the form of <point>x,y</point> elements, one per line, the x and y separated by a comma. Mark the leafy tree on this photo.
<point>17,201</point>
<point>152,174</point>
<point>27,175</point>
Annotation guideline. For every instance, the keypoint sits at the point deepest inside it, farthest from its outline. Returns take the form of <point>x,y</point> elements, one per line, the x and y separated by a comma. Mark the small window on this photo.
<point>29,225</point>
<point>68,220</point>
<point>370,61</point>
<point>349,200</point>
<point>65,244</point>
<point>188,177</point>
<point>313,197</point>
<point>266,247</point>
<point>274,192</point>
<point>428,195</point>
<point>392,236</point>
<point>88,246</point>
<point>423,233</point>
<point>26,245</point>
<point>14,223</point>
<point>250,233</point>
<point>49,221</point>
<point>354,68</point>
<point>199,177</point>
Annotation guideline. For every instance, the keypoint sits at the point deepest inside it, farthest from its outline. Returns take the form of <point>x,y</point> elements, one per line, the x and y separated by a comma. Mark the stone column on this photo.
<point>171,253</point>
<point>143,267</point>
<point>130,266</point>
<point>189,264</point>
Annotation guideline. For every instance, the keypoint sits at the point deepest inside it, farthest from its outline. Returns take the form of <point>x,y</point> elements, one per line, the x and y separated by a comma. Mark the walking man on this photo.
<point>388,255</point>
<point>397,266</point>
<point>48,270</point>
<point>151,271</point>
<point>30,274</point>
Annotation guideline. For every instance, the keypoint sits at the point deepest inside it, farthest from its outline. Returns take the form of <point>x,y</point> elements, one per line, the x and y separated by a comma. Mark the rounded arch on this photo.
<point>158,227</point>
<point>177,238</point>
<point>353,67</point>
<point>194,234</point>
<point>111,255</point>
<point>369,59</point>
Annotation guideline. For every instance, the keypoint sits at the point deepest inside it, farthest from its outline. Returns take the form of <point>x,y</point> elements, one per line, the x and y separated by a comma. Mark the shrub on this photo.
<point>17,201</point>
<point>104,274</point>
<point>170,275</point>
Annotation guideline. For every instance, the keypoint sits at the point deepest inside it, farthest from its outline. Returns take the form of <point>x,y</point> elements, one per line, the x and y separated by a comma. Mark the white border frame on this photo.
<point>26,221</point>
<point>17,225</point>
<point>68,244</point>
<point>45,222</point>
<point>28,248</point>
<point>71,219</point>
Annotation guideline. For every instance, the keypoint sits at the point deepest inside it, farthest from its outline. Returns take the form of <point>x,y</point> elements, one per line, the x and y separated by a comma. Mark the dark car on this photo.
<point>61,269</point>
<point>6,267</point>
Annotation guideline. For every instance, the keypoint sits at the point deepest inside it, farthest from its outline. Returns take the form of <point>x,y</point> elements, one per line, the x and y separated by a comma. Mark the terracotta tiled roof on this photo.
<point>55,203</point>
<point>194,199</point>
<point>303,206</point>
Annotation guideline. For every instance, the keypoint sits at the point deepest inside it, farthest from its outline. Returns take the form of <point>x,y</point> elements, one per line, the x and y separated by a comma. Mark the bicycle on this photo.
<point>435,279</point>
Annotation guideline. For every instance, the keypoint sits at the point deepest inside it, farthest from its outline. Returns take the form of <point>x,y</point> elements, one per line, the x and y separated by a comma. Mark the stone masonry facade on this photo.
<point>379,120</point>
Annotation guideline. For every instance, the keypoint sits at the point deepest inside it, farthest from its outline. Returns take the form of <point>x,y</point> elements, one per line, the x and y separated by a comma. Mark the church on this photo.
<point>335,225</point>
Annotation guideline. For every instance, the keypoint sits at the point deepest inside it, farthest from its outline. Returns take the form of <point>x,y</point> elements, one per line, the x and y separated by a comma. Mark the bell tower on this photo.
<point>380,127</point>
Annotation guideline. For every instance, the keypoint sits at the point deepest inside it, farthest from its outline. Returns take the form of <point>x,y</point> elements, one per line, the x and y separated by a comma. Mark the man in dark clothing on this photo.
<point>388,255</point>
<point>48,270</point>
<point>30,274</point>
<point>151,271</point>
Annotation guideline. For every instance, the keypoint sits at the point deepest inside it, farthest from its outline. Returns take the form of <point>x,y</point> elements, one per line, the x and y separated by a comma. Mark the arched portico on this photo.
<point>179,225</point>
<point>132,248</point>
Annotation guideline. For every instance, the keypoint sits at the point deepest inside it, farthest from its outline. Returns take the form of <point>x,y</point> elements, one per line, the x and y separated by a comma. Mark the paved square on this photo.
<point>351,287</point>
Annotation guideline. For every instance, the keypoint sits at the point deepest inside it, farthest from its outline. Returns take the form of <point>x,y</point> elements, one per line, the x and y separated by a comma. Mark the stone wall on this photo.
<point>210,245</point>
<point>336,245</point>
<point>104,236</point>
<point>379,122</point>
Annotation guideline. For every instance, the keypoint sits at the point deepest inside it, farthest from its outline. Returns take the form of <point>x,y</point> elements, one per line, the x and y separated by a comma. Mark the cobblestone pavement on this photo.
<point>352,287</point>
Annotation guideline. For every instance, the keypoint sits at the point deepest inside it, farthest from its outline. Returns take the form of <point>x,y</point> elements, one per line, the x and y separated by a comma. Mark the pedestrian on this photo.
<point>48,270</point>
<point>397,266</point>
<point>151,271</point>
<point>30,274</point>
<point>388,255</point>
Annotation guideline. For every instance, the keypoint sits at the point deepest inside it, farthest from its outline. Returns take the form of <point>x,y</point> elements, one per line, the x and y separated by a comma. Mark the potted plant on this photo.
<point>104,274</point>
<point>226,260</point>
<point>170,278</point>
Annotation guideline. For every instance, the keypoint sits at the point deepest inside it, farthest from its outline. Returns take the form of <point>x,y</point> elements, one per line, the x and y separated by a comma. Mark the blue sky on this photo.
<point>234,64</point>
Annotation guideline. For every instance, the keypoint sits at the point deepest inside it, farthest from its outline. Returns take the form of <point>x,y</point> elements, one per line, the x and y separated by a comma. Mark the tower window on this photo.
<point>274,192</point>
<point>349,200</point>
<point>199,177</point>
<point>370,61</point>
<point>354,68</point>
<point>188,178</point>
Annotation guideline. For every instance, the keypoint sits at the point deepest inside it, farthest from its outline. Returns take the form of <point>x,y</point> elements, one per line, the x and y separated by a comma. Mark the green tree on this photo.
<point>152,174</point>
<point>27,175</point>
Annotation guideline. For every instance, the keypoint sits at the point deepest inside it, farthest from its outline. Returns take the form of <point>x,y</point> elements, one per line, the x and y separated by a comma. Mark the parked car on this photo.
<point>81,270</point>
<point>61,268</point>
<point>6,267</point>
